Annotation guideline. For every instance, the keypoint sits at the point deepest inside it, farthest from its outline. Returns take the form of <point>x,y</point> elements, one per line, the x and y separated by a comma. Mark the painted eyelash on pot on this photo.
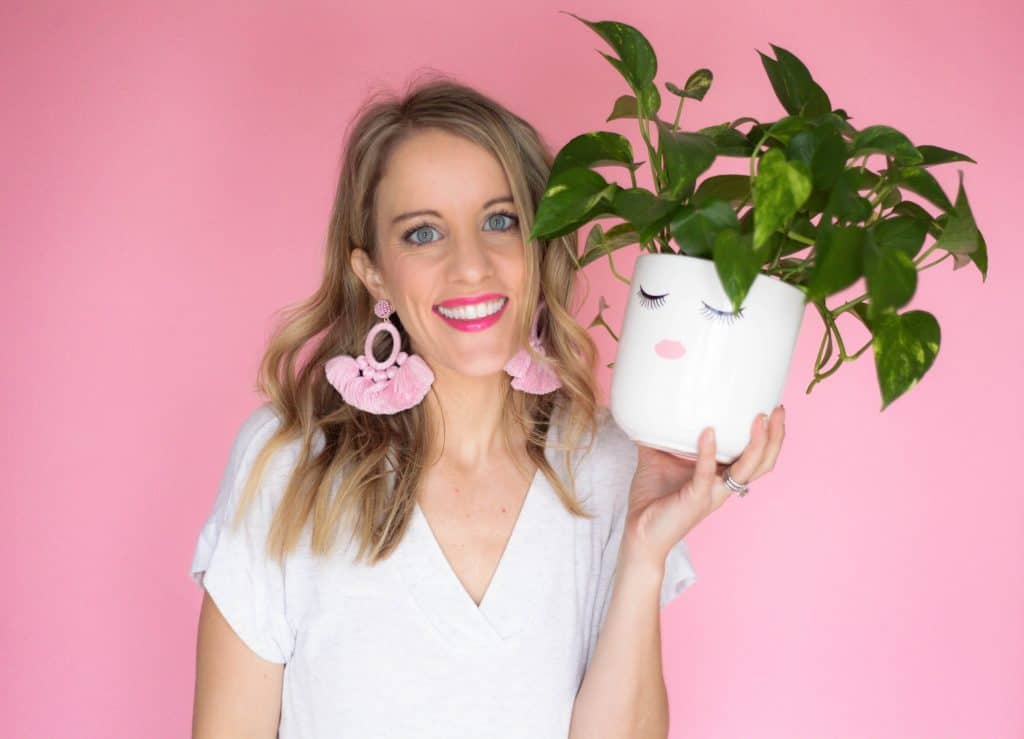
<point>720,315</point>
<point>651,301</point>
<point>656,301</point>
<point>424,224</point>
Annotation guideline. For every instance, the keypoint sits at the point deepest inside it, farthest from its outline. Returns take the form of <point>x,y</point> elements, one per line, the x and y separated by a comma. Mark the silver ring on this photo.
<point>736,487</point>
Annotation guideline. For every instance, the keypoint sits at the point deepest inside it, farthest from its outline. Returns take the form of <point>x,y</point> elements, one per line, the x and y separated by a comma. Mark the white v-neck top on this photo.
<point>400,650</point>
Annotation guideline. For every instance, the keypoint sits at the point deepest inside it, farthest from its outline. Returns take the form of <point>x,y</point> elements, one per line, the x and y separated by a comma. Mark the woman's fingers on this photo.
<point>776,433</point>
<point>745,468</point>
<point>704,478</point>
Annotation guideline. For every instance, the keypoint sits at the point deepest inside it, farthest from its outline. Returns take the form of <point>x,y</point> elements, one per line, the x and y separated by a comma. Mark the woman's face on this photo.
<point>448,242</point>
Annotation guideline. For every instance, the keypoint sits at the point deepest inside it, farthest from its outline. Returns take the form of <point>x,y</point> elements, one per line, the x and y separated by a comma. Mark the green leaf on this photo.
<point>886,140</point>
<point>734,188</point>
<point>736,263</point>
<point>802,226</point>
<point>594,149</point>
<point>686,156</point>
<point>980,257</point>
<point>728,141</point>
<point>571,199</point>
<point>647,212</point>
<point>890,197</point>
<point>785,128</point>
<point>600,243</point>
<point>960,234</point>
<point>637,62</point>
<point>910,209</point>
<point>625,107</point>
<point>779,189</point>
<point>838,260</point>
<point>649,101</point>
<point>696,87</point>
<point>890,275</point>
<point>793,85</point>
<point>844,202</point>
<point>823,150</point>
<point>905,346</point>
<point>837,121</point>
<point>920,181</point>
<point>937,155</point>
<point>695,229</point>
<point>904,233</point>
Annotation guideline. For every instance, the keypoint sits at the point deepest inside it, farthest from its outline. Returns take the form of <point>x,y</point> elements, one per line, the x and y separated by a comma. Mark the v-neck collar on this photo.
<point>506,605</point>
<point>518,584</point>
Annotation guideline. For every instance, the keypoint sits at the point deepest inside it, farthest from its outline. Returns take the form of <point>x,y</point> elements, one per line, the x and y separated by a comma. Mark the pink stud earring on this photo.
<point>528,374</point>
<point>396,384</point>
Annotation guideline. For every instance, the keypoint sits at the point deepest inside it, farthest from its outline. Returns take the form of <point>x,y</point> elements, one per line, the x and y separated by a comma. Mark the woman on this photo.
<point>443,537</point>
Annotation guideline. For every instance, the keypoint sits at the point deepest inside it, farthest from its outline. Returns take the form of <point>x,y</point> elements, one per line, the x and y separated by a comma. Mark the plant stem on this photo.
<point>753,159</point>
<point>615,272</point>
<point>863,349</point>
<point>849,304</point>
<point>829,316</point>
<point>601,322</point>
<point>652,156</point>
<point>937,261</point>
<point>800,238</point>
<point>923,255</point>
<point>675,123</point>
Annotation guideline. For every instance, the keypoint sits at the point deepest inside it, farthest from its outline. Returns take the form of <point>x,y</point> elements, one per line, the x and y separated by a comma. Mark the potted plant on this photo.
<point>730,261</point>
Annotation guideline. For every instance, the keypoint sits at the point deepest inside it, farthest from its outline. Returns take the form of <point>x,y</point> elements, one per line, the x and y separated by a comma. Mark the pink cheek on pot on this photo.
<point>669,349</point>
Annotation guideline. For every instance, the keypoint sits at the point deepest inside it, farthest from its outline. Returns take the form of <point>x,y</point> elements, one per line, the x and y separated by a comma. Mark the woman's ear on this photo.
<point>367,273</point>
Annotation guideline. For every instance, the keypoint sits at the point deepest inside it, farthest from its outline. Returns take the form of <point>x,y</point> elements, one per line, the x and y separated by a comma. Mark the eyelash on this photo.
<point>423,224</point>
<point>651,301</point>
<point>720,315</point>
<point>656,301</point>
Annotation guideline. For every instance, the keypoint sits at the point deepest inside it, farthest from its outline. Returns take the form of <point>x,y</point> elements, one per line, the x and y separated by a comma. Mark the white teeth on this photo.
<point>470,312</point>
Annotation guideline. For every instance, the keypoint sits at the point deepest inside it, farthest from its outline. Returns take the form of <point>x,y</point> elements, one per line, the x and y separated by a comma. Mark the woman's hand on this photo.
<point>670,495</point>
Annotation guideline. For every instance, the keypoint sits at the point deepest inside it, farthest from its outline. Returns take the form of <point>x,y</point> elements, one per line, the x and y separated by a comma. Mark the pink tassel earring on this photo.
<point>396,384</point>
<point>528,374</point>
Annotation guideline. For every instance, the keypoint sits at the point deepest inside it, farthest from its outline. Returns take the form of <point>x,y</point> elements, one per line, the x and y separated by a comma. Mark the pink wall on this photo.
<point>168,175</point>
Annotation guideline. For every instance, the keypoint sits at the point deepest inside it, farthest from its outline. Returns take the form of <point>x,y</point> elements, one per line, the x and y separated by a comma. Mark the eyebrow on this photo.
<point>414,213</point>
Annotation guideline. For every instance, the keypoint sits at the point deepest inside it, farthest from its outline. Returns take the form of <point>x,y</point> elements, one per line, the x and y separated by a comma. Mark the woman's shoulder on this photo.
<point>257,428</point>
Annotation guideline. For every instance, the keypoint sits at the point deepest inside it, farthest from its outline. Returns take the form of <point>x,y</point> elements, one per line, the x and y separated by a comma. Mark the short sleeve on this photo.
<point>230,563</point>
<point>618,463</point>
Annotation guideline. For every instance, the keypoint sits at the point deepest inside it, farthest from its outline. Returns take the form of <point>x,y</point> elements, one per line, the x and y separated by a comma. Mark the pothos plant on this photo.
<point>814,210</point>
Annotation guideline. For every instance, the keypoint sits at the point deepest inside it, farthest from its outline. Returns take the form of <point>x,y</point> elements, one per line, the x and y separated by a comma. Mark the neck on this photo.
<point>468,427</point>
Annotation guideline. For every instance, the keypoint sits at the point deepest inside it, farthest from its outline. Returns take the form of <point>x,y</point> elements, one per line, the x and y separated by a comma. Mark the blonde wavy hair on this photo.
<point>370,465</point>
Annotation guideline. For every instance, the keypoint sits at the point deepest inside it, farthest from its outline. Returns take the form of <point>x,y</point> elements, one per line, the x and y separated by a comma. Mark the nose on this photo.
<point>470,262</point>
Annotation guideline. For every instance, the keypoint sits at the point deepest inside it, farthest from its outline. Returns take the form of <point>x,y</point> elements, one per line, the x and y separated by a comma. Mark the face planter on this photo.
<point>685,361</point>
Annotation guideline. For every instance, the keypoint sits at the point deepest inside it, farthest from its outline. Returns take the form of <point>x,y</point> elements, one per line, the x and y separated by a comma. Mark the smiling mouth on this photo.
<point>473,311</point>
<point>472,314</point>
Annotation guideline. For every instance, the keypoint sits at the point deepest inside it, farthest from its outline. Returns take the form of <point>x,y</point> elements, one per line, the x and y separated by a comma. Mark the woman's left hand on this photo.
<point>670,495</point>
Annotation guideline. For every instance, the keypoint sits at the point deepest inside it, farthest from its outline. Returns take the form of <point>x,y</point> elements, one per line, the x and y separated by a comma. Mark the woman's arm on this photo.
<point>623,692</point>
<point>238,694</point>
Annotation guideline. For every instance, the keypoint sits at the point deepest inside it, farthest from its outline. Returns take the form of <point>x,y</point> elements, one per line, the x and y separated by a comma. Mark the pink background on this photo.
<point>168,177</point>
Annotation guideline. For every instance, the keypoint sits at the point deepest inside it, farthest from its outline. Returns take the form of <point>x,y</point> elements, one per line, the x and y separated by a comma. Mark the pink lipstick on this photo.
<point>471,323</point>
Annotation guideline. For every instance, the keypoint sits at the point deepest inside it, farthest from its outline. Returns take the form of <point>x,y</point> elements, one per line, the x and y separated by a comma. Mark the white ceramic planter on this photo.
<point>685,362</point>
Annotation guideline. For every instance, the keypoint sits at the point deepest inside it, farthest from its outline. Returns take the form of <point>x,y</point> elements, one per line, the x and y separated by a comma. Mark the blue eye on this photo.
<point>506,215</point>
<point>407,236</point>
<point>720,315</point>
<point>651,301</point>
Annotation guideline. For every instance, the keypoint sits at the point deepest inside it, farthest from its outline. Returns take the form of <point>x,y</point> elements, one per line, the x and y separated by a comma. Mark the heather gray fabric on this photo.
<point>400,650</point>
